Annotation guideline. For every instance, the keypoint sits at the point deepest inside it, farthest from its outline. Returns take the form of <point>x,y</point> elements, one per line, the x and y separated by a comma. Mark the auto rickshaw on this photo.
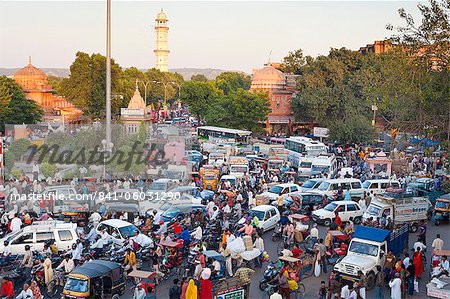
<point>95,279</point>
<point>146,279</point>
<point>212,255</point>
<point>442,209</point>
<point>339,246</point>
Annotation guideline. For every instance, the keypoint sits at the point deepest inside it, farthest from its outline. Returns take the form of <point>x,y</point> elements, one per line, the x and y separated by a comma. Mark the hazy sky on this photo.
<point>225,35</point>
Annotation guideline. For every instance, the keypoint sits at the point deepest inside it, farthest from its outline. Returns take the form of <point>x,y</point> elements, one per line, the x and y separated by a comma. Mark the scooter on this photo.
<point>269,275</point>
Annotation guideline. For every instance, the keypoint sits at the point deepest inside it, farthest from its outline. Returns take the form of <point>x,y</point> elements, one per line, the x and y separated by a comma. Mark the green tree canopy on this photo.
<point>230,82</point>
<point>199,77</point>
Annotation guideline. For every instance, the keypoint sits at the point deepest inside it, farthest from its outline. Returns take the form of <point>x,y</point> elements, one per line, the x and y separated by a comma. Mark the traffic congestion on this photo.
<point>237,216</point>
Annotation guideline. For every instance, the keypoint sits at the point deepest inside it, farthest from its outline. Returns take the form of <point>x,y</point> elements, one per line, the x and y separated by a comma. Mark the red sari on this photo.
<point>205,289</point>
<point>418,263</point>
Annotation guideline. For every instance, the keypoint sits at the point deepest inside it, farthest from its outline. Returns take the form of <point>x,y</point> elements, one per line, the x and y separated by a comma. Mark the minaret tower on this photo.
<point>162,50</point>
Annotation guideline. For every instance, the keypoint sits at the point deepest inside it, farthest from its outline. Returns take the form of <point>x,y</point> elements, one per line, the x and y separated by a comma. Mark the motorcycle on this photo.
<point>277,233</point>
<point>269,275</point>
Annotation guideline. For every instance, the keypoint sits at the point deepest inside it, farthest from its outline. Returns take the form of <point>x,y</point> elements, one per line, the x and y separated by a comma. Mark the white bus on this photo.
<point>224,133</point>
<point>301,147</point>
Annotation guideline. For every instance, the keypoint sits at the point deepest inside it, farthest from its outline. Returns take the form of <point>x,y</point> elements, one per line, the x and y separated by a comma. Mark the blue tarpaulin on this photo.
<point>370,233</point>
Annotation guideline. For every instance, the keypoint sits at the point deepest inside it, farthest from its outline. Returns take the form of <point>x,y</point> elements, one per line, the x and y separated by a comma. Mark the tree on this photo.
<point>230,82</point>
<point>293,62</point>
<point>199,77</point>
<point>354,129</point>
<point>199,96</point>
<point>86,86</point>
<point>239,110</point>
<point>15,108</point>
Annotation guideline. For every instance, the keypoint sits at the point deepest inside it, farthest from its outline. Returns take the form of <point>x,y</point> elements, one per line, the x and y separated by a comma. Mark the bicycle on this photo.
<point>56,284</point>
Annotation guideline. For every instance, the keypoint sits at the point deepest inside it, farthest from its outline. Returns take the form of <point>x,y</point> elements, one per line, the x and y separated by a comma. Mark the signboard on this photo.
<point>236,294</point>
<point>131,112</point>
<point>320,132</point>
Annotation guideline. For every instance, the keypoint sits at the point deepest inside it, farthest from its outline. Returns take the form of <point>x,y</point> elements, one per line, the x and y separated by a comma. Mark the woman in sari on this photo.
<point>192,290</point>
<point>206,289</point>
<point>418,263</point>
<point>184,285</point>
<point>35,290</point>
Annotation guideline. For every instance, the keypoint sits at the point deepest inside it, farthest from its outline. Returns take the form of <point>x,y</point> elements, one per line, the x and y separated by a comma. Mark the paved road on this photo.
<point>312,284</point>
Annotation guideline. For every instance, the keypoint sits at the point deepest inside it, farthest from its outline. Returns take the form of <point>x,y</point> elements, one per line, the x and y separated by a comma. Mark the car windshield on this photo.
<point>366,185</point>
<point>157,186</point>
<point>171,213</point>
<point>373,210</point>
<point>305,164</point>
<point>237,168</point>
<point>364,248</point>
<point>209,177</point>
<point>324,186</point>
<point>76,285</point>
<point>11,236</point>
<point>258,214</point>
<point>173,174</point>
<point>309,184</point>
<point>330,207</point>
<point>165,206</point>
<point>128,231</point>
<point>276,189</point>
<point>320,168</point>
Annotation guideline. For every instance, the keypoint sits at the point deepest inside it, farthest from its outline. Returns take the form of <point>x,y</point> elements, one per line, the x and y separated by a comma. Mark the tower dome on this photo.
<point>161,16</point>
<point>30,77</point>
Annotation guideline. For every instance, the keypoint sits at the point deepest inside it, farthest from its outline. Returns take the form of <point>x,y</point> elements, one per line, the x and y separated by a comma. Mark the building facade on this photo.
<point>280,88</point>
<point>34,83</point>
<point>162,48</point>
<point>378,47</point>
<point>136,113</point>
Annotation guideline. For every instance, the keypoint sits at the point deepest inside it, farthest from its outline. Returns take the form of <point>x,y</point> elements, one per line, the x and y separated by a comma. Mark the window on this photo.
<point>395,185</point>
<point>267,217</point>
<point>346,186</point>
<point>44,236</point>
<point>65,235</point>
<point>25,238</point>
<point>294,188</point>
<point>272,213</point>
<point>334,187</point>
<point>374,186</point>
<point>356,185</point>
<point>351,208</point>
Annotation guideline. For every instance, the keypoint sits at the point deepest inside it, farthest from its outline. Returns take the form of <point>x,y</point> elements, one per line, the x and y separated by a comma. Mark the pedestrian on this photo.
<point>353,292</point>
<point>283,285</point>
<point>27,263</point>
<point>396,287</point>
<point>418,263</point>
<point>7,288</point>
<point>438,243</point>
<point>314,234</point>
<point>361,285</point>
<point>175,290</point>
<point>192,290</point>
<point>275,294</point>
<point>345,292</point>
<point>35,290</point>
<point>139,292</point>
<point>338,221</point>
<point>423,232</point>
<point>410,273</point>
<point>322,255</point>
<point>323,290</point>
<point>389,263</point>
<point>259,244</point>
<point>26,292</point>
<point>380,280</point>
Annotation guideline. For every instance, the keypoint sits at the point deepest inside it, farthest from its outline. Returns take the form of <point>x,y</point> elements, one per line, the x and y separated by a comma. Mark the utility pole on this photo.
<point>108,71</point>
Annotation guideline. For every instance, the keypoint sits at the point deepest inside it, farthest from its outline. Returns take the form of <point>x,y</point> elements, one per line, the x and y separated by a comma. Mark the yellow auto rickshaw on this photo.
<point>95,279</point>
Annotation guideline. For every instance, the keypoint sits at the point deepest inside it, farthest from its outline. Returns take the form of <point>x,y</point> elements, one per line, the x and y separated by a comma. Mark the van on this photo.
<point>346,210</point>
<point>379,186</point>
<point>36,234</point>
<point>330,187</point>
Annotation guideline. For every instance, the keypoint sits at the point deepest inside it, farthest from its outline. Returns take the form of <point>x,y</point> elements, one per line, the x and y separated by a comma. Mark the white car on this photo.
<point>330,187</point>
<point>268,216</point>
<point>117,229</point>
<point>35,235</point>
<point>311,184</point>
<point>345,208</point>
<point>380,186</point>
<point>281,189</point>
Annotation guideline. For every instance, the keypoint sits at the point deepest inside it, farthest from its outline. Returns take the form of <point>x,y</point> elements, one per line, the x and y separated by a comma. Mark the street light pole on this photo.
<point>165,90</point>
<point>145,89</point>
<point>108,71</point>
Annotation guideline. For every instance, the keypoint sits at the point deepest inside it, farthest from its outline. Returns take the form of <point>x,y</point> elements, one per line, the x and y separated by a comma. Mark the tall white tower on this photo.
<point>162,50</point>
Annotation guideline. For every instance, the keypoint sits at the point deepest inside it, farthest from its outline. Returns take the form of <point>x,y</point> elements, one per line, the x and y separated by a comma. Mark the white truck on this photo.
<point>367,250</point>
<point>400,208</point>
<point>238,166</point>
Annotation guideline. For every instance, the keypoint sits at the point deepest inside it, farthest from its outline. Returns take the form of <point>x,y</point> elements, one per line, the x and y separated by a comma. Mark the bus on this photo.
<point>225,133</point>
<point>300,148</point>
<point>275,140</point>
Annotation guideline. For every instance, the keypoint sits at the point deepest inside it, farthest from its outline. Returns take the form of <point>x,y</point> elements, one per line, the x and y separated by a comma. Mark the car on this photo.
<point>308,201</point>
<point>159,189</point>
<point>281,189</point>
<point>345,208</point>
<point>268,217</point>
<point>197,192</point>
<point>380,186</point>
<point>311,184</point>
<point>117,229</point>
<point>36,234</point>
<point>176,210</point>
<point>330,187</point>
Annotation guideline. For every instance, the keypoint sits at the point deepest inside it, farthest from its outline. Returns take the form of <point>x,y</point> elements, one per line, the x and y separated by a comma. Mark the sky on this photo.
<point>231,35</point>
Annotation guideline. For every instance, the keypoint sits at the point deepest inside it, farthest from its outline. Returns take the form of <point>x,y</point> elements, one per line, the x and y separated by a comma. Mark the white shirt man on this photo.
<point>259,243</point>
<point>16,224</point>
<point>438,243</point>
<point>314,232</point>
<point>197,234</point>
<point>345,292</point>
<point>142,240</point>
<point>210,207</point>
<point>67,264</point>
<point>275,296</point>
<point>396,288</point>
<point>7,250</point>
<point>95,218</point>
<point>420,245</point>
<point>25,294</point>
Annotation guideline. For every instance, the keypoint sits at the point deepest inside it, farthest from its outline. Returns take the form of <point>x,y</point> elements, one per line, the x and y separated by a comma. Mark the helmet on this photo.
<point>27,247</point>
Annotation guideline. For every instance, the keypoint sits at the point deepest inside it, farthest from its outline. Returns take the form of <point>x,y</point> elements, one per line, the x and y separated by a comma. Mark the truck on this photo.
<point>400,208</point>
<point>367,250</point>
<point>238,166</point>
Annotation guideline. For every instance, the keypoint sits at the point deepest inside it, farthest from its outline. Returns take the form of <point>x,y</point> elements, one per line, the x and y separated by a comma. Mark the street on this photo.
<point>312,283</point>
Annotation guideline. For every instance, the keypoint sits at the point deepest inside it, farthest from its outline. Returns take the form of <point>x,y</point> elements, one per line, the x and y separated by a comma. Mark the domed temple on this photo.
<point>34,83</point>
